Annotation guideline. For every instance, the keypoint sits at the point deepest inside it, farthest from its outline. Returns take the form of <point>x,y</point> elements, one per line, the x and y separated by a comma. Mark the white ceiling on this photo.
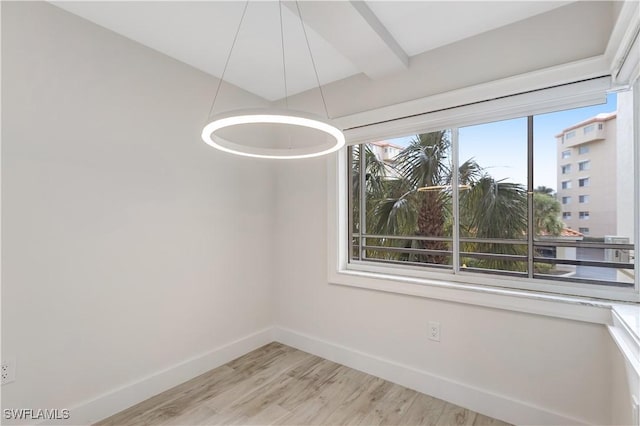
<point>346,38</point>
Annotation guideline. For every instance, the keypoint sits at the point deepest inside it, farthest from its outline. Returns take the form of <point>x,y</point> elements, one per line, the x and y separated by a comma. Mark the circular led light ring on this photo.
<point>262,117</point>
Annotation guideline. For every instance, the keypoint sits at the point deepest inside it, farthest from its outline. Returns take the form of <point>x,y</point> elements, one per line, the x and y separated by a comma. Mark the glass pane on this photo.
<point>493,196</point>
<point>354,200</point>
<point>408,199</point>
<point>582,229</point>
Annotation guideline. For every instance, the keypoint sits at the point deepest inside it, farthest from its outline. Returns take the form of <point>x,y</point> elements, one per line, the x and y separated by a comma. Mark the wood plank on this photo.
<point>277,384</point>
<point>182,398</point>
<point>357,405</point>
<point>198,415</point>
<point>455,415</point>
<point>257,380</point>
<point>283,388</point>
<point>174,401</point>
<point>391,407</point>
<point>425,410</point>
<point>482,420</point>
<point>337,388</point>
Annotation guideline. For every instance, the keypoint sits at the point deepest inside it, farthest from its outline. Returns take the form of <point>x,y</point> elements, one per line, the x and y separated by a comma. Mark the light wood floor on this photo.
<point>277,384</point>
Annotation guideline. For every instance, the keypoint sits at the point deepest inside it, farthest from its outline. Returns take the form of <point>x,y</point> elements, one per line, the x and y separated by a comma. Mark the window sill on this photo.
<point>558,306</point>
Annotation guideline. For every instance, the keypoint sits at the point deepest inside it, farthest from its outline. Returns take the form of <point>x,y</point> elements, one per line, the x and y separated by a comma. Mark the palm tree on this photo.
<point>544,190</point>
<point>494,210</point>
<point>417,202</point>
<point>546,214</point>
<point>425,164</point>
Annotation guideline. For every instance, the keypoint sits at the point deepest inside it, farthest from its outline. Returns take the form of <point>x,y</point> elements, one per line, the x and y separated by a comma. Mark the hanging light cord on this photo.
<point>226,64</point>
<point>313,62</point>
<point>306,38</point>
<point>284,63</point>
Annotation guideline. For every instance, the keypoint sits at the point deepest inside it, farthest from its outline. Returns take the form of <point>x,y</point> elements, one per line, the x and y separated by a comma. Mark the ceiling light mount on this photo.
<point>333,141</point>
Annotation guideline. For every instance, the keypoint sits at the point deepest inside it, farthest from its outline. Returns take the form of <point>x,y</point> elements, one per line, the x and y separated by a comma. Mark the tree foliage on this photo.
<point>412,196</point>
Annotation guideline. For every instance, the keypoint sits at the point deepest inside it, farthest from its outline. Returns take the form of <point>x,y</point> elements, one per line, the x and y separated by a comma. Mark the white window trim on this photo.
<point>486,290</point>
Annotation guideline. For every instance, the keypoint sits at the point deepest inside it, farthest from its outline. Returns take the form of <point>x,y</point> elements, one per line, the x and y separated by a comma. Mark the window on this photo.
<point>478,201</point>
<point>589,128</point>
<point>583,150</point>
<point>566,154</point>
<point>570,135</point>
<point>584,165</point>
<point>600,126</point>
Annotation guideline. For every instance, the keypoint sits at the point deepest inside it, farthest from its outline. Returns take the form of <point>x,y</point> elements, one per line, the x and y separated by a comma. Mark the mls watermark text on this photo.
<point>36,414</point>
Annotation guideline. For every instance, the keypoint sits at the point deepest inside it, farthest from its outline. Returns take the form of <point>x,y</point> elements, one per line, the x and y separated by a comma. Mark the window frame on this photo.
<point>584,165</point>
<point>403,278</point>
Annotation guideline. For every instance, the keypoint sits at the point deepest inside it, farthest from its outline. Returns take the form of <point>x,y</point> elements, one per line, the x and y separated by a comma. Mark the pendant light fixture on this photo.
<point>281,117</point>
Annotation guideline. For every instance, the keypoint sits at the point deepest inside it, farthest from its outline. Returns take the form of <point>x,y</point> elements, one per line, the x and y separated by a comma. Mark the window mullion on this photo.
<point>350,227</point>
<point>363,201</point>
<point>455,186</point>
<point>530,224</point>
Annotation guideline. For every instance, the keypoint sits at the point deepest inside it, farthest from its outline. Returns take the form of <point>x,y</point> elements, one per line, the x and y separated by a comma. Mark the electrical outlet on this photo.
<point>434,331</point>
<point>8,371</point>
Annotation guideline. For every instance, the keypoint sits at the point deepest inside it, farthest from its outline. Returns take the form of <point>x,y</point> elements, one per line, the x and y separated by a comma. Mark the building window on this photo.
<point>566,154</point>
<point>584,231</point>
<point>464,203</point>
<point>583,199</point>
<point>584,165</point>
<point>589,128</point>
<point>570,135</point>
<point>583,150</point>
<point>600,126</point>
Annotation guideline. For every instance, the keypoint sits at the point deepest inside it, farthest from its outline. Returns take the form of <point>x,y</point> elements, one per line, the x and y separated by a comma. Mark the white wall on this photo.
<point>126,239</point>
<point>559,366</point>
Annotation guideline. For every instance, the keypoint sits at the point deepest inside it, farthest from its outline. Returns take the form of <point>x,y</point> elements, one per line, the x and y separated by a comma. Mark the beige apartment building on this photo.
<point>587,178</point>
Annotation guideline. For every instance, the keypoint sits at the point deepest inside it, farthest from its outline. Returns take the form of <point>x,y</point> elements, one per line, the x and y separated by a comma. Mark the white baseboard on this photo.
<point>476,399</point>
<point>473,398</point>
<point>107,404</point>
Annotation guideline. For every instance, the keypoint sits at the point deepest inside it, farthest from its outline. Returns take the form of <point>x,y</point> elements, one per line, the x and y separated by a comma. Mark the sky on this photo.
<point>501,147</point>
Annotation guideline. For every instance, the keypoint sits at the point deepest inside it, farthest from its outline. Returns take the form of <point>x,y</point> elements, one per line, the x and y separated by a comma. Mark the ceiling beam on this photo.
<point>355,31</point>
